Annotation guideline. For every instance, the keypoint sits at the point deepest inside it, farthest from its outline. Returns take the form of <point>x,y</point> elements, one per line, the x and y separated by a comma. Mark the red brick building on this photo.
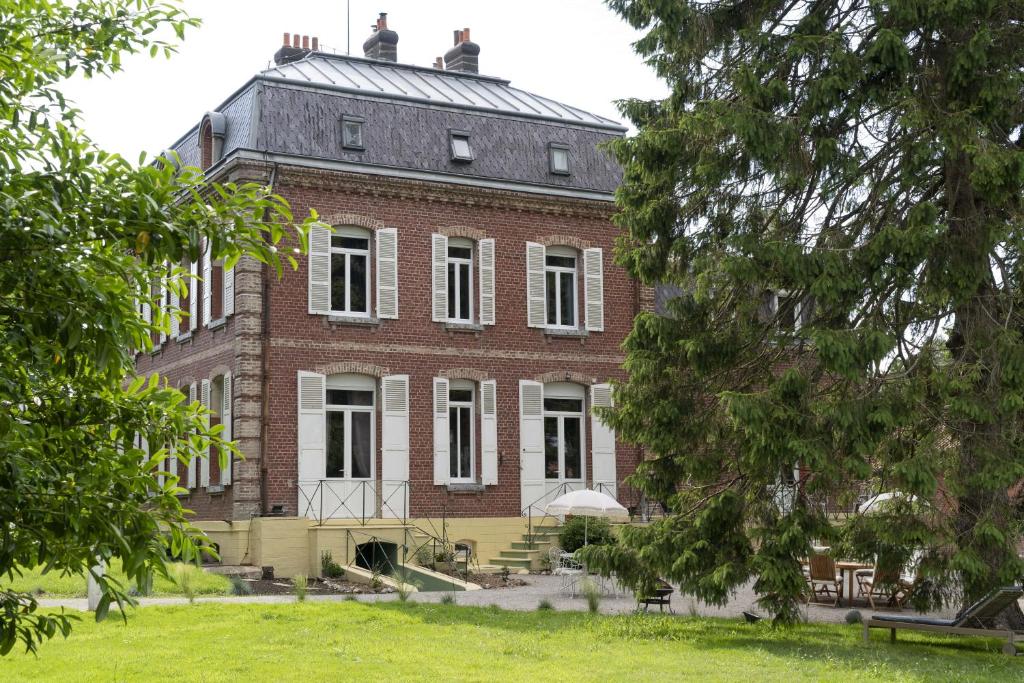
<point>438,353</point>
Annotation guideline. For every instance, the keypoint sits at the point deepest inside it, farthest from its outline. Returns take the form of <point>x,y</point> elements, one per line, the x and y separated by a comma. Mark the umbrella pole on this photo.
<point>586,523</point>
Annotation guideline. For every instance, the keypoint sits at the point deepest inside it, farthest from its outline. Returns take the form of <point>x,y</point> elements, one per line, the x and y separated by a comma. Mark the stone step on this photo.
<point>519,554</point>
<point>524,545</point>
<point>512,563</point>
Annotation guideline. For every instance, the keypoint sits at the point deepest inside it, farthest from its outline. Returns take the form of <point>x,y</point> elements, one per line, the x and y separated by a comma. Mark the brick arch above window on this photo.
<point>355,219</point>
<point>564,241</point>
<point>218,371</point>
<point>565,376</point>
<point>353,368</point>
<point>471,374</point>
<point>463,231</point>
<point>184,383</point>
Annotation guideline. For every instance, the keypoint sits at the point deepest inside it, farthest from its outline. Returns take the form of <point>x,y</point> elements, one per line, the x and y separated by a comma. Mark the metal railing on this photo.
<point>325,496</point>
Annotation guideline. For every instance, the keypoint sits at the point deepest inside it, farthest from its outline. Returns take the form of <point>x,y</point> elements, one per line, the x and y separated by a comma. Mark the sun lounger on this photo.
<point>976,620</point>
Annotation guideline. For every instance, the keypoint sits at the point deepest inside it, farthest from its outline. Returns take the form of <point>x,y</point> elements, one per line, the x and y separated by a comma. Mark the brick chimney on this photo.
<point>295,47</point>
<point>464,56</point>
<point>383,42</point>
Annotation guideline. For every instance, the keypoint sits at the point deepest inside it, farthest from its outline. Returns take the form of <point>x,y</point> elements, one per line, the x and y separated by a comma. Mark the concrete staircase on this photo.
<point>523,555</point>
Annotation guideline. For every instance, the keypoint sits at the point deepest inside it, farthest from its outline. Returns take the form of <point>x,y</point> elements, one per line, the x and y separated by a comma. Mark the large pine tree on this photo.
<point>834,189</point>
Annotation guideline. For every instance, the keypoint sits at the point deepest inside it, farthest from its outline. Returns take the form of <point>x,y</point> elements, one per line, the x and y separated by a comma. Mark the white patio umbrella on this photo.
<point>587,503</point>
<point>877,501</point>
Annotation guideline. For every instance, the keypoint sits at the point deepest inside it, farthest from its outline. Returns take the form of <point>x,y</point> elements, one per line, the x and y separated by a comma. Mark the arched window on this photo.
<point>350,271</point>
<point>560,288</point>
<point>460,279</point>
<point>350,427</point>
<point>564,287</point>
<point>564,431</point>
<point>461,430</point>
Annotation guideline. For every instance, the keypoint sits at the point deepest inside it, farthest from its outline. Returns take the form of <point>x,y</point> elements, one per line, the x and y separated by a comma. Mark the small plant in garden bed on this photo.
<point>329,569</point>
<point>580,531</point>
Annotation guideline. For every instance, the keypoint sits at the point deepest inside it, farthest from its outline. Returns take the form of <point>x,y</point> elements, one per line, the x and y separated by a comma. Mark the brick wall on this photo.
<point>413,344</point>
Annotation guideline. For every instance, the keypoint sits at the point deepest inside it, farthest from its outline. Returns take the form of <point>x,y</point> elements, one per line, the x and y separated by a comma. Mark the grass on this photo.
<point>411,641</point>
<point>53,585</point>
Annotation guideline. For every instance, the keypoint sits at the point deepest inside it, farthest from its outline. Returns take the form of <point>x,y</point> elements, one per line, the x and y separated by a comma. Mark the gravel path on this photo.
<point>524,598</point>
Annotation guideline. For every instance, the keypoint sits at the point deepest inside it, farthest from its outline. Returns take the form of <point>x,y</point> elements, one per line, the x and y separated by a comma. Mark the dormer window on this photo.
<point>352,132</point>
<point>558,157</point>
<point>461,151</point>
<point>211,138</point>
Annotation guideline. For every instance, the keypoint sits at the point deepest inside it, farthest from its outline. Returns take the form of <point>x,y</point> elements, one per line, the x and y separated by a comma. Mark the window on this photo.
<point>788,311</point>
<point>352,132</point>
<point>216,286</point>
<point>560,287</point>
<point>563,432</point>
<point>350,427</point>
<point>558,157</point>
<point>460,280</point>
<point>350,272</point>
<point>216,407</point>
<point>185,300</point>
<point>461,432</point>
<point>461,151</point>
<point>206,146</point>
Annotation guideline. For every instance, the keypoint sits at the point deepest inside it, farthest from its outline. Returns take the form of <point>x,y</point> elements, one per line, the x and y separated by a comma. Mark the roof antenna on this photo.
<point>348,27</point>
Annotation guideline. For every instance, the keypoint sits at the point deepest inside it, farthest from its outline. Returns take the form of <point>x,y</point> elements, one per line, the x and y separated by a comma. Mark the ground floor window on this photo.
<point>460,430</point>
<point>563,434</point>
<point>350,430</point>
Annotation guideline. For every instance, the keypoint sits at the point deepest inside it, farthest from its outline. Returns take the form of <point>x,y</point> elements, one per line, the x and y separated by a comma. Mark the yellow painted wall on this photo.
<point>293,545</point>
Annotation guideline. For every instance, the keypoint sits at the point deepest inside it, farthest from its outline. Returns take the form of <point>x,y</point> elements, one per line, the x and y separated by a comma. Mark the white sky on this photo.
<point>575,51</point>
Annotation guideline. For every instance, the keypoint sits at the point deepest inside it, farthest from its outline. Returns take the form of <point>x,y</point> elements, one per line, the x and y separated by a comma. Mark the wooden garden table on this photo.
<point>850,568</point>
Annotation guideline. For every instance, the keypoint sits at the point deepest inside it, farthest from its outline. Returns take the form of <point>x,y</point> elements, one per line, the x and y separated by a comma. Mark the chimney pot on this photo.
<point>305,42</point>
<point>286,38</point>
<point>290,50</point>
<point>295,40</point>
<point>383,42</point>
<point>316,43</point>
<point>438,63</point>
<point>464,56</point>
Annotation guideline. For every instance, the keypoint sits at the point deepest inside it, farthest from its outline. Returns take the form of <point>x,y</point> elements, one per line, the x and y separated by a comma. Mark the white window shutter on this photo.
<point>207,282</point>
<point>192,460</point>
<point>312,438</point>
<point>193,298</point>
<point>164,299</point>
<point>486,282</point>
<point>535,285</point>
<point>387,273</point>
<point>442,458</point>
<point>225,419</point>
<point>394,471</point>
<point>229,291</point>
<point>531,441</point>
<point>602,442</point>
<point>593,291</point>
<point>489,432</point>
<point>204,463</point>
<point>173,307</point>
<point>172,463</point>
<point>439,277</point>
<point>319,271</point>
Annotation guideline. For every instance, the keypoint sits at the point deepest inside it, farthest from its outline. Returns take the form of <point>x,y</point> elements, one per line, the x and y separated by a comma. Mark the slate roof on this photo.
<point>293,111</point>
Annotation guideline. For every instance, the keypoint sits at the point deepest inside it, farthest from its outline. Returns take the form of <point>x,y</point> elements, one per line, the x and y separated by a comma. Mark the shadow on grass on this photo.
<point>914,655</point>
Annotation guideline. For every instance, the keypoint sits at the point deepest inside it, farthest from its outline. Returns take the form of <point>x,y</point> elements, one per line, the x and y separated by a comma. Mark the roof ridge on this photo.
<point>400,65</point>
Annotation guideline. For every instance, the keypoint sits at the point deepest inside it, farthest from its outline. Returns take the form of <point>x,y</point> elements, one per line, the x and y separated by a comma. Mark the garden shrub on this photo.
<point>597,530</point>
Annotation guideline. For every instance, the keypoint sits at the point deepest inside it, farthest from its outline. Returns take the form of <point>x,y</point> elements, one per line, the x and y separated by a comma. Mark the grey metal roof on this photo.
<point>446,88</point>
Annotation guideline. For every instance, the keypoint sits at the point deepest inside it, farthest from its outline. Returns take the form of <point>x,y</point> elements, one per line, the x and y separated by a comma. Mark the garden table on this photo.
<point>849,568</point>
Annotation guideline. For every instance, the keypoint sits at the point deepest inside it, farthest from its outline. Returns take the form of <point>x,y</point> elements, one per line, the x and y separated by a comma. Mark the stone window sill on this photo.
<point>353,320</point>
<point>186,337</point>
<point>571,334</point>
<point>213,490</point>
<point>465,487</point>
<point>463,327</point>
<point>214,324</point>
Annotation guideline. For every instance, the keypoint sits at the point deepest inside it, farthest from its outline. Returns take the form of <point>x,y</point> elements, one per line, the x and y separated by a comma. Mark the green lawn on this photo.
<point>53,585</point>
<point>391,641</point>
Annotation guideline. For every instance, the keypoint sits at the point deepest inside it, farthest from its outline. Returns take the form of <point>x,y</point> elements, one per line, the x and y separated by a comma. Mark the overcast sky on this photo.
<point>574,51</point>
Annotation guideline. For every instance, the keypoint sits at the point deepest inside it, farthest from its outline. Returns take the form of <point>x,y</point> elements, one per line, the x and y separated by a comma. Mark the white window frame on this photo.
<point>798,313</point>
<point>570,391</point>
<point>463,385</point>
<point>460,243</point>
<point>562,252</point>
<point>351,383</point>
<point>357,233</point>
